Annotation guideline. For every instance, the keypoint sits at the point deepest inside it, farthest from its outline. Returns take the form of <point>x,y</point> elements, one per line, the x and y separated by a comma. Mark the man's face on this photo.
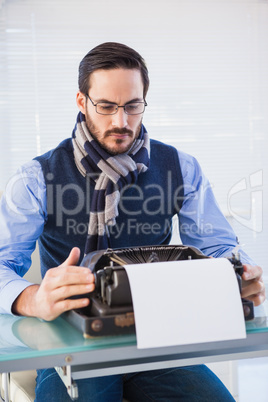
<point>115,133</point>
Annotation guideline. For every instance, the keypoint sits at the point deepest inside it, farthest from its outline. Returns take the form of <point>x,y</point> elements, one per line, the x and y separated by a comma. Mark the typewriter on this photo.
<point>110,311</point>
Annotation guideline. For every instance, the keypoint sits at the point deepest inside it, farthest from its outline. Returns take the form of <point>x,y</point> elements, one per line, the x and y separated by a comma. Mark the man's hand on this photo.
<point>51,298</point>
<point>252,284</point>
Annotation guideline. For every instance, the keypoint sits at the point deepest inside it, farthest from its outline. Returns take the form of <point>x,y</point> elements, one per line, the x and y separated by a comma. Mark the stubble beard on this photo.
<point>95,134</point>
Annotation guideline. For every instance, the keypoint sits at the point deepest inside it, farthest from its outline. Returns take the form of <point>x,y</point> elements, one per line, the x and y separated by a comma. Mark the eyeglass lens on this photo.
<point>131,108</point>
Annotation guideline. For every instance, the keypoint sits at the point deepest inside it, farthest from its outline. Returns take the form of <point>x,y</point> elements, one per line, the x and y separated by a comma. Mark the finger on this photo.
<point>72,278</point>
<point>257,299</point>
<point>64,305</point>
<point>62,269</point>
<point>65,292</point>
<point>71,304</point>
<point>73,257</point>
<point>62,276</point>
<point>253,288</point>
<point>251,272</point>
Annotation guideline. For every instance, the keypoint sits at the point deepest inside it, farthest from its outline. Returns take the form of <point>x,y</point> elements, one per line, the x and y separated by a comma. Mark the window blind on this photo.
<point>208,64</point>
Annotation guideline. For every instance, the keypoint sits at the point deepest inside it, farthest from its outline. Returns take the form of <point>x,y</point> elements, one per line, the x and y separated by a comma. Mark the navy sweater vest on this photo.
<point>145,209</point>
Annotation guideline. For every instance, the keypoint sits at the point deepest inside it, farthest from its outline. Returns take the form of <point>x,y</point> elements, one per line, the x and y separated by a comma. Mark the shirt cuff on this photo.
<point>10,292</point>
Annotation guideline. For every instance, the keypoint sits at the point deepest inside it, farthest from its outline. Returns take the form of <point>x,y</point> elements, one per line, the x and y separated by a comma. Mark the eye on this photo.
<point>106,106</point>
<point>133,106</point>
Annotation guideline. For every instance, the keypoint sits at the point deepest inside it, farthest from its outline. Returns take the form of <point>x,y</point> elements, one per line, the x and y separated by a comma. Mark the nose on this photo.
<point>120,118</point>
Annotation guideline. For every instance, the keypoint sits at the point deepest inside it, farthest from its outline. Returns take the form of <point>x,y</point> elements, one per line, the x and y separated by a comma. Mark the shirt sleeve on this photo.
<point>201,222</point>
<point>22,218</point>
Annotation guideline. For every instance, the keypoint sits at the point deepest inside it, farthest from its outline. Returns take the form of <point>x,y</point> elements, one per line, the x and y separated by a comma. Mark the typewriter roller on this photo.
<point>110,311</point>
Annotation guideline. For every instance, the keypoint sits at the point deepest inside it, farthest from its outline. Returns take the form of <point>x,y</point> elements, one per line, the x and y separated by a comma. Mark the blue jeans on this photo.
<point>189,384</point>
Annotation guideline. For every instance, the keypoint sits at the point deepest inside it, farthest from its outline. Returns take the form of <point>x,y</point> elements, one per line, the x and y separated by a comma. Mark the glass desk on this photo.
<point>29,343</point>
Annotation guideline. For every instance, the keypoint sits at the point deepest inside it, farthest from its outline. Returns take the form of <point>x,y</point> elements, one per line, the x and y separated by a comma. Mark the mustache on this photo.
<point>119,131</point>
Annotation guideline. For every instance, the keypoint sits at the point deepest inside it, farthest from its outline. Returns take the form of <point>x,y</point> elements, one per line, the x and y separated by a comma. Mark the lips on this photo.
<point>120,135</point>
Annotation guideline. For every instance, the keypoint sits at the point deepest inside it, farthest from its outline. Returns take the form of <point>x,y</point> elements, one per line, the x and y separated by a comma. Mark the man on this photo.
<point>109,186</point>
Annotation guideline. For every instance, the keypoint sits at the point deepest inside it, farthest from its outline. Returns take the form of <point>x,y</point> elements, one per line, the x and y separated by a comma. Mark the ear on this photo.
<point>81,102</point>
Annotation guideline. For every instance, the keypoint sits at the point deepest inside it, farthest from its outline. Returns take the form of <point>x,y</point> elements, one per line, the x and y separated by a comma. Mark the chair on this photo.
<point>22,386</point>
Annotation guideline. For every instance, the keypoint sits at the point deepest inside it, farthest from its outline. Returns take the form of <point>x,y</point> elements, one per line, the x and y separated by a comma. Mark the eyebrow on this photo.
<point>103,100</point>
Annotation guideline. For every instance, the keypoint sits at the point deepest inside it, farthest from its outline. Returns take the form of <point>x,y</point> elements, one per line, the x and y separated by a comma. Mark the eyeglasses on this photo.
<point>131,108</point>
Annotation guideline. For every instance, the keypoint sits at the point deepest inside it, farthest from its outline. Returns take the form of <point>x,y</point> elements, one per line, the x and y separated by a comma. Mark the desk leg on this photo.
<point>6,382</point>
<point>65,374</point>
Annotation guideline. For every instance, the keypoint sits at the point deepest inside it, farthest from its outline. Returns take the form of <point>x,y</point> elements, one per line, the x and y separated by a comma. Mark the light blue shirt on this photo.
<point>23,214</point>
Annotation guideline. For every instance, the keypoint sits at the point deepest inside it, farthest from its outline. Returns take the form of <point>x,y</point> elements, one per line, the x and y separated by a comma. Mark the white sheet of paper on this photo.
<point>185,302</point>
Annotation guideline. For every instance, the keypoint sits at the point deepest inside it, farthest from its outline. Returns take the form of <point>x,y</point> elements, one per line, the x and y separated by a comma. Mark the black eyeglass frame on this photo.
<point>117,106</point>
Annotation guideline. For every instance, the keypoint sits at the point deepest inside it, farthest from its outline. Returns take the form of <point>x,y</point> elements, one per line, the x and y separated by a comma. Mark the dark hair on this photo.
<point>108,56</point>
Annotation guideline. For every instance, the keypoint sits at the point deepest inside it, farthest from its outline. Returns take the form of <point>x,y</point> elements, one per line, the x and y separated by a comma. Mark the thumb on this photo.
<point>73,257</point>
